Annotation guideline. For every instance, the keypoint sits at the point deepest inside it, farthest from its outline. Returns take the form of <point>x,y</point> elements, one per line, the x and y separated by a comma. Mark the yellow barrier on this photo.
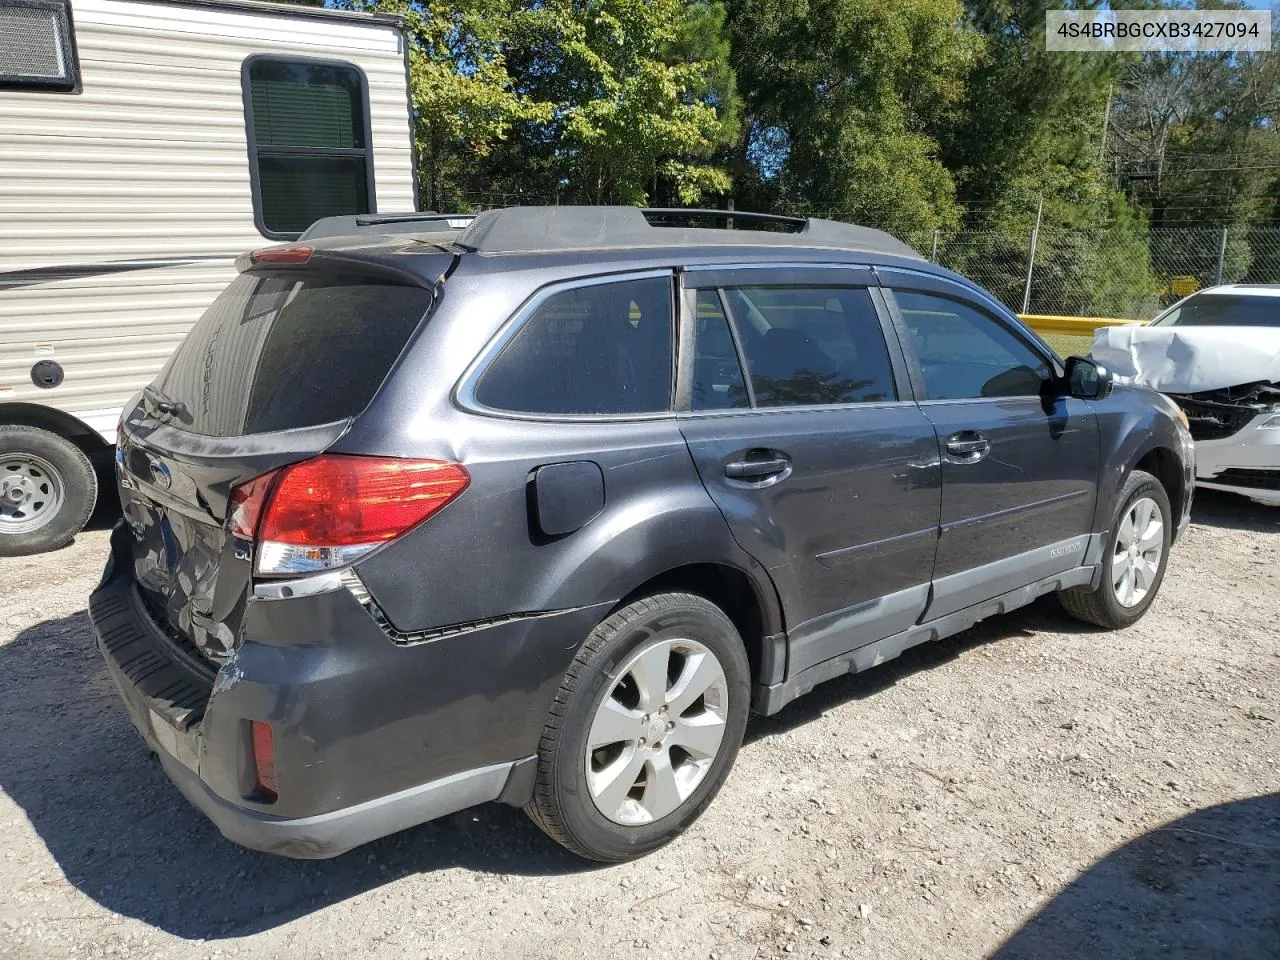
<point>1072,326</point>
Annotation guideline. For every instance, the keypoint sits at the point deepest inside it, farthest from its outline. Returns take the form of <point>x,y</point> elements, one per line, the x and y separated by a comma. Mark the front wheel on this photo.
<point>47,490</point>
<point>645,727</point>
<point>1133,566</point>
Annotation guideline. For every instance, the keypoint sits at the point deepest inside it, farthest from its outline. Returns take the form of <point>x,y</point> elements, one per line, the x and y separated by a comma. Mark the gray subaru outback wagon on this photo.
<point>536,508</point>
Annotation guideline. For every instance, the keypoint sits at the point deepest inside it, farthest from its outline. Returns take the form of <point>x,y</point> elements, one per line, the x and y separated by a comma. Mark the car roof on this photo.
<point>594,229</point>
<point>1242,289</point>
<point>564,240</point>
<point>571,228</point>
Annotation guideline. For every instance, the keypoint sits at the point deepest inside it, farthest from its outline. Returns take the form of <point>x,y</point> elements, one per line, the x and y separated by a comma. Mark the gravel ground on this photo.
<point>1031,788</point>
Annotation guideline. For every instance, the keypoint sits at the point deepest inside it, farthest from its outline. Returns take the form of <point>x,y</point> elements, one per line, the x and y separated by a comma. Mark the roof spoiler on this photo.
<point>423,221</point>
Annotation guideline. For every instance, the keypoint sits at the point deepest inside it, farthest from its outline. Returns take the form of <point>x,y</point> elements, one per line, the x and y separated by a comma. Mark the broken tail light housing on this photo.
<point>264,761</point>
<point>329,511</point>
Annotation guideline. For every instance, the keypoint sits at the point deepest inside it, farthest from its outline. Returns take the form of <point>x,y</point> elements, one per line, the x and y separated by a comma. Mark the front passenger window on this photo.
<point>965,353</point>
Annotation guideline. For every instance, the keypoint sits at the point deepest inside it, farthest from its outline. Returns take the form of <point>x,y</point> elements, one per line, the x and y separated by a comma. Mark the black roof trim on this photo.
<point>550,229</point>
<point>287,10</point>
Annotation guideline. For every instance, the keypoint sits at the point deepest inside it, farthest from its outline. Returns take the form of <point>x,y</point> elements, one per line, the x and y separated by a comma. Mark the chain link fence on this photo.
<point>1098,273</point>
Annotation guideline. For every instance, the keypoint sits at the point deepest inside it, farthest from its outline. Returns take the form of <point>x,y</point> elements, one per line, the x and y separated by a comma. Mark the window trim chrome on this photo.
<point>464,393</point>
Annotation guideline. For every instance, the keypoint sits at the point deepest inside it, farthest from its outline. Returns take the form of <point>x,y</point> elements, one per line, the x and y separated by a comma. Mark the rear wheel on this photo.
<point>1134,563</point>
<point>645,727</point>
<point>47,490</point>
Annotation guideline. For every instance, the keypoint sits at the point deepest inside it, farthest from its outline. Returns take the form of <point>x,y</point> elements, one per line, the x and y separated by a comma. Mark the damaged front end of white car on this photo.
<point>1226,379</point>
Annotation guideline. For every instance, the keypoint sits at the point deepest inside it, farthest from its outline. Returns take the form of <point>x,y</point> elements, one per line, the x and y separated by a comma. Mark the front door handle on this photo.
<point>968,446</point>
<point>755,469</point>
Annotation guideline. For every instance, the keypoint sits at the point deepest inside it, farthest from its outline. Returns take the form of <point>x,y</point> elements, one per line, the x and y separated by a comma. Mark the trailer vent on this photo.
<point>37,46</point>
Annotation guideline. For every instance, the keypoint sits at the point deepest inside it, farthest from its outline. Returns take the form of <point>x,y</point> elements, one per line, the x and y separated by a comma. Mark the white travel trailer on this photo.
<point>144,144</point>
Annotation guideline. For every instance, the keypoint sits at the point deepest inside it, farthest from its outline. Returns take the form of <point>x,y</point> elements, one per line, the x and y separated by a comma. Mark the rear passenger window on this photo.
<point>591,350</point>
<point>966,354</point>
<point>818,345</point>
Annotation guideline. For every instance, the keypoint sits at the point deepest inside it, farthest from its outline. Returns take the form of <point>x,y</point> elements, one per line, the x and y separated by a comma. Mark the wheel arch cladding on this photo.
<point>1163,464</point>
<point>750,605</point>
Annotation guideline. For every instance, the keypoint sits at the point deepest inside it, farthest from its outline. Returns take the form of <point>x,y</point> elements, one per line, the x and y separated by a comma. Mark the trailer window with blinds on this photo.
<point>310,150</point>
<point>37,46</point>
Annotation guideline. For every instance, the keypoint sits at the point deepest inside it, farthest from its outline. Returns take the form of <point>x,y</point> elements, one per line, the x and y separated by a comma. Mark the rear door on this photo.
<point>1019,458</point>
<point>803,430</point>
<point>271,374</point>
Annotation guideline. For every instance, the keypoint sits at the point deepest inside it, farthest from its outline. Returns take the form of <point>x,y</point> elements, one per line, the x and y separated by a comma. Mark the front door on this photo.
<point>824,475</point>
<point>1019,458</point>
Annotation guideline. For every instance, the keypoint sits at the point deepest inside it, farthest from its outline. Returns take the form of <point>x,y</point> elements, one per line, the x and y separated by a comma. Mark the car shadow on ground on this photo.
<point>1207,885</point>
<point>1217,508</point>
<point>123,836</point>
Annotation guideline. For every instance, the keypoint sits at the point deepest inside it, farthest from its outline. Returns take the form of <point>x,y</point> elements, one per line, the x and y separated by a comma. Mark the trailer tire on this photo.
<point>48,490</point>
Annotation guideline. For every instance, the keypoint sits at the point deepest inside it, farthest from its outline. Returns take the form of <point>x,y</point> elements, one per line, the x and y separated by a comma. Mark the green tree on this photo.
<point>641,98</point>
<point>841,101</point>
<point>574,100</point>
<point>1028,137</point>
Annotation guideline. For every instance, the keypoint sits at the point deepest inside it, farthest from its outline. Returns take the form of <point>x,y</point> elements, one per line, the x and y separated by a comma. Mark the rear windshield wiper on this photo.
<point>160,404</point>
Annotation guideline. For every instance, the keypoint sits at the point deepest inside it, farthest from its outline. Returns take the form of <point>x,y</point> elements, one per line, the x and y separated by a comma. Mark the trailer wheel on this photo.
<point>47,490</point>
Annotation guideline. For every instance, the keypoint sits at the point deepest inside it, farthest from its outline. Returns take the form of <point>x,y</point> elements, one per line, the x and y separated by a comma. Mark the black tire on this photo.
<point>562,805</point>
<point>1102,606</point>
<point>75,480</point>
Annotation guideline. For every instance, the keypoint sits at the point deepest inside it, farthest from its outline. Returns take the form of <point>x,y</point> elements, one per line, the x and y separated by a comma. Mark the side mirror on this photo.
<point>1088,380</point>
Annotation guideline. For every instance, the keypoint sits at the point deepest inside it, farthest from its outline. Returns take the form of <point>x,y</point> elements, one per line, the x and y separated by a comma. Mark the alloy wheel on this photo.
<point>1138,549</point>
<point>657,731</point>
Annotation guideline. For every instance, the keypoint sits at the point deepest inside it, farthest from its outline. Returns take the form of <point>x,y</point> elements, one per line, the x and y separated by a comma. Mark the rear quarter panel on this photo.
<point>481,556</point>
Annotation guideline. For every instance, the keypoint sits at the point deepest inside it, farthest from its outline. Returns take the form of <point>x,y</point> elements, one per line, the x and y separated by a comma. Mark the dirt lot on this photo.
<point>1030,789</point>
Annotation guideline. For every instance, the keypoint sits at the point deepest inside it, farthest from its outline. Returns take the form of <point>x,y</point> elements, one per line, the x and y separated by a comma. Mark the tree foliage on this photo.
<point>842,101</point>
<point>919,116</point>
<point>596,101</point>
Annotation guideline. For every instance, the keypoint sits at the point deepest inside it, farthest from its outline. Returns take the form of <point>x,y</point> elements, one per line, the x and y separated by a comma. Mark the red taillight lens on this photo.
<point>264,759</point>
<point>282,255</point>
<point>337,500</point>
<point>329,511</point>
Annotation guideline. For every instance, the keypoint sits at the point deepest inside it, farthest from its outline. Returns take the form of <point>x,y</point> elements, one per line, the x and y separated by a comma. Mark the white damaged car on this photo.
<point>1217,355</point>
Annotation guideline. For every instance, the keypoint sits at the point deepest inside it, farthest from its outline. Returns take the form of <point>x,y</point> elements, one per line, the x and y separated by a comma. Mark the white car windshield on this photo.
<point>1223,310</point>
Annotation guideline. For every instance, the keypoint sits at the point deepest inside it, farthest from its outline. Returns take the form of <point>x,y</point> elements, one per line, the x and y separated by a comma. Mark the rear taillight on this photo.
<point>329,511</point>
<point>264,760</point>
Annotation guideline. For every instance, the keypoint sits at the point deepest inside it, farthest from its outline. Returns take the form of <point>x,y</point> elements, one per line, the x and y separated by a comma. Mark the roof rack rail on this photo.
<point>385,223</point>
<point>551,229</point>
<point>732,217</point>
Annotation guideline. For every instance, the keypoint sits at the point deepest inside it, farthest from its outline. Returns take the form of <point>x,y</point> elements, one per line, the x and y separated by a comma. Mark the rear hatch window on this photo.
<point>275,352</point>
<point>267,377</point>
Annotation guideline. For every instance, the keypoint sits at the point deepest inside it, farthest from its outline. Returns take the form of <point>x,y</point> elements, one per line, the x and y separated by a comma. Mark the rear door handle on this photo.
<point>755,469</point>
<point>968,446</point>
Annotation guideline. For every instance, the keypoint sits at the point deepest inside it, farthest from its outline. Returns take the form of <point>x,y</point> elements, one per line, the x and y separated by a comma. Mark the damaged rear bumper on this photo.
<point>370,737</point>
